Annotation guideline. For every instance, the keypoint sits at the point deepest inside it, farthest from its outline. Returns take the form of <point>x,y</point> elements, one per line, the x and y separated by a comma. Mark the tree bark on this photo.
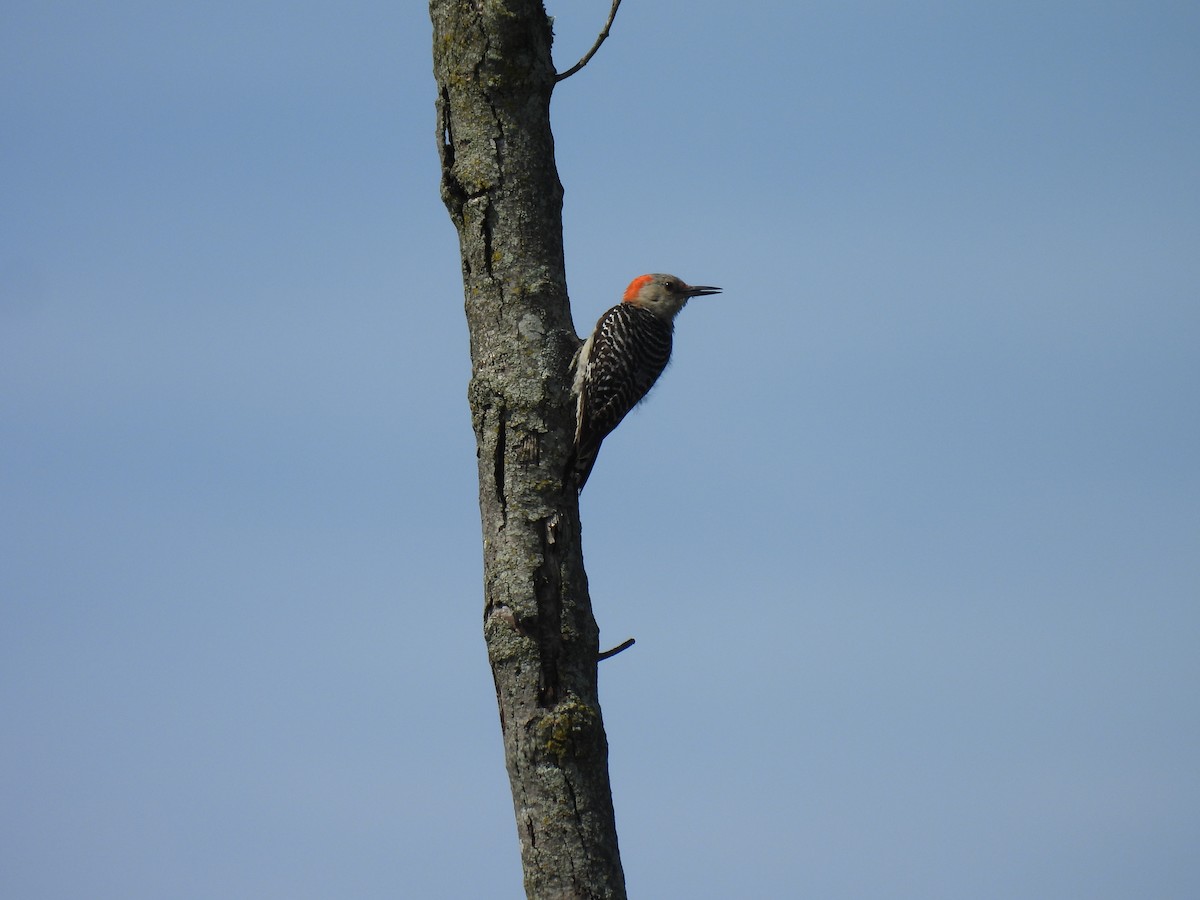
<point>499,182</point>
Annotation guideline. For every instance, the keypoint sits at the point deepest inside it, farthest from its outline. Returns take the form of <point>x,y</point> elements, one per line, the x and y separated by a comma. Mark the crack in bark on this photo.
<point>498,464</point>
<point>577,819</point>
<point>532,832</point>
<point>547,589</point>
<point>454,195</point>
<point>485,228</point>
<point>488,221</point>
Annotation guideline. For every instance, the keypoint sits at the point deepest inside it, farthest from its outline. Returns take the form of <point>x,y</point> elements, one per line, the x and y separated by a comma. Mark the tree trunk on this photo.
<point>500,185</point>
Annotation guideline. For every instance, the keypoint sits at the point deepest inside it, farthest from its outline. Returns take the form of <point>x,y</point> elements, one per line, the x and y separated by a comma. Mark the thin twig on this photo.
<point>612,14</point>
<point>624,645</point>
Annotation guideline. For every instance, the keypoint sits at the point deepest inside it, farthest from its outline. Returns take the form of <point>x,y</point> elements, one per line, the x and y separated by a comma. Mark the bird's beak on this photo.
<point>700,290</point>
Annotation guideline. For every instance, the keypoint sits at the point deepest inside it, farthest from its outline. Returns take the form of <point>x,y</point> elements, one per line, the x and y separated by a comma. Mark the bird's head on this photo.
<point>664,295</point>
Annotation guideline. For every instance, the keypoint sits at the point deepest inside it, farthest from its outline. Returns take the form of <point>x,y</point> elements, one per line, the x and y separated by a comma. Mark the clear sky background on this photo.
<point>908,535</point>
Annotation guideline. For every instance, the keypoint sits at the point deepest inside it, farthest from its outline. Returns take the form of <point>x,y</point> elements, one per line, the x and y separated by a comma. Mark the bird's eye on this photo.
<point>669,286</point>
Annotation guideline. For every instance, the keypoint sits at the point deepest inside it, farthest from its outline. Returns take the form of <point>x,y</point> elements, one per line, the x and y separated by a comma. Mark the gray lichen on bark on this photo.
<point>501,187</point>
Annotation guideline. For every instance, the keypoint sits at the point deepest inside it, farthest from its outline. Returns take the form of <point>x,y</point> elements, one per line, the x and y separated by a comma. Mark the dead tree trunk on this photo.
<point>499,182</point>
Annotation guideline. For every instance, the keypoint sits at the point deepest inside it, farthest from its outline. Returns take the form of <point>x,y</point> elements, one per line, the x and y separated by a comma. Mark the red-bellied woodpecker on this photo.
<point>622,359</point>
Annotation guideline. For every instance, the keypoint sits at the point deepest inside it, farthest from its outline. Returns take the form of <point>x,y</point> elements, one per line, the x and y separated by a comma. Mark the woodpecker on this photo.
<point>619,363</point>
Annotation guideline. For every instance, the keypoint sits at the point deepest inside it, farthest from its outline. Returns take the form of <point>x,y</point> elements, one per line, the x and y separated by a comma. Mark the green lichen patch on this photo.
<point>566,730</point>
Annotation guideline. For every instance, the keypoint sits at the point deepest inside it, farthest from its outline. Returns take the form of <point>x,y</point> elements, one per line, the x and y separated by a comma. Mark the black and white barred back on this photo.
<point>617,366</point>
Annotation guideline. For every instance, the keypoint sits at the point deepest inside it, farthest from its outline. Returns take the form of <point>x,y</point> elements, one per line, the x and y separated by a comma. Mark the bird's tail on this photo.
<point>579,466</point>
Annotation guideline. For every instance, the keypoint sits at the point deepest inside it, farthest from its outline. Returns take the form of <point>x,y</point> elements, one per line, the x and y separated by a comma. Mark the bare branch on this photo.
<point>624,645</point>
<point>612,14</point>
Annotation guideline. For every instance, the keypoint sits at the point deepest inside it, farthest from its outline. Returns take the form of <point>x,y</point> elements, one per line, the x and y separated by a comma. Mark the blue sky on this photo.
<point>909,534</point>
